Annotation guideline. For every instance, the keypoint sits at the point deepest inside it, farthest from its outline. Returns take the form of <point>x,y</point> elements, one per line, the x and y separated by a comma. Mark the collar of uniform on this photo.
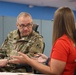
<point>16,35</point>
<point>18,38</point>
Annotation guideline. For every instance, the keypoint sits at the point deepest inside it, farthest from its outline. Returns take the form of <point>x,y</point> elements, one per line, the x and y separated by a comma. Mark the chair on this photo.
<point>35,27</point>
<point>35,71</point>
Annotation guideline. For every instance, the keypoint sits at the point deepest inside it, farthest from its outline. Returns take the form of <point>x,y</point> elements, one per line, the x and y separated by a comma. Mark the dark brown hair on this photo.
<point>64,23</point>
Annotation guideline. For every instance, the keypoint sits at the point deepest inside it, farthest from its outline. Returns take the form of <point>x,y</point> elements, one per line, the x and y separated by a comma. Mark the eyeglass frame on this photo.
<point>27,25</point>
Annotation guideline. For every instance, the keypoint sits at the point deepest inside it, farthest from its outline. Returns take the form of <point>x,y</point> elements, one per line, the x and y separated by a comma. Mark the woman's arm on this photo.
<point>55,67</point>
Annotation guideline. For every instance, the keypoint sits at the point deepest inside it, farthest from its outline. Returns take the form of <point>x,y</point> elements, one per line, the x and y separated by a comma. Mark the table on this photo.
<point>7,73</point>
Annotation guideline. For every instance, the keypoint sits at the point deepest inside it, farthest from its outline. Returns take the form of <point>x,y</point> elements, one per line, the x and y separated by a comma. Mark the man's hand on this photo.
<point>3,62</point>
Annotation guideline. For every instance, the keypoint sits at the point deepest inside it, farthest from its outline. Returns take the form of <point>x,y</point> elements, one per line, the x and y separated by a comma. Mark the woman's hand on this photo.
<point>41,58</point>
<point>3,62</point>
<point>22,59</point>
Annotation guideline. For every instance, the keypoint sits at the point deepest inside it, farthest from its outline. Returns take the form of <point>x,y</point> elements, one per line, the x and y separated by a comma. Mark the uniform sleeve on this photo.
<point>37,46</point>
<point>5,47</point>
<point>60,50</point>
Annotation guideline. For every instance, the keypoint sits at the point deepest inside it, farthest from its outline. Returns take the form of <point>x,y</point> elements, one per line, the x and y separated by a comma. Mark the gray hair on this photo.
<point>24,14</point>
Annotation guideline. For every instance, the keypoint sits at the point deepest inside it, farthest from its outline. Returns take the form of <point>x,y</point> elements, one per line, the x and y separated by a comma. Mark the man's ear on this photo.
<point>17,26</point>
<point>32,25</point>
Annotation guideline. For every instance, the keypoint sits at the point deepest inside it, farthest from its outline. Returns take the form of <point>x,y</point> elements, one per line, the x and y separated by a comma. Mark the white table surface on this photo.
<point>7,73</point>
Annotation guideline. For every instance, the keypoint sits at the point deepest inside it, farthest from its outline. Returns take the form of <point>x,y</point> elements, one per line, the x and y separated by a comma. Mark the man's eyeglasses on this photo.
<point>23,25</point>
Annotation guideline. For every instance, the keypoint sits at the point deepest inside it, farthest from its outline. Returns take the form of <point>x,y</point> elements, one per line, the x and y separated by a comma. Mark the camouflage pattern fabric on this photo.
<point>13,43</point>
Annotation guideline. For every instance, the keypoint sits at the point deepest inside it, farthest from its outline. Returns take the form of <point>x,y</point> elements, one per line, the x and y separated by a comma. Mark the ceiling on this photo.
<point>48,3</point>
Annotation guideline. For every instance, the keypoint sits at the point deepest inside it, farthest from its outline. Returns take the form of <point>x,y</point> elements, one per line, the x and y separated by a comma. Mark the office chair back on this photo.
<point>35,27</point>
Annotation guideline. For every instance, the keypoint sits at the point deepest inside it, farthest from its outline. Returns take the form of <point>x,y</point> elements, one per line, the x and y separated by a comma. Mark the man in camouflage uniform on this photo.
<point>24,39</point>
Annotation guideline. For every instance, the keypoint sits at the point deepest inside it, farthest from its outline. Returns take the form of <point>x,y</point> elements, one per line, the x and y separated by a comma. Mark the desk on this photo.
<point>7,73</point>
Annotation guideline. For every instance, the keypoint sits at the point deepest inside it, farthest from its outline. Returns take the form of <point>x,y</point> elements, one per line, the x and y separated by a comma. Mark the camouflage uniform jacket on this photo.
<point>28,45</point>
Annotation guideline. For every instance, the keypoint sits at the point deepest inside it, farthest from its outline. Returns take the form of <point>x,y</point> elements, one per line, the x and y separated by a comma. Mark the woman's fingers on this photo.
<point>14,61</point>
<point>22,58</point>
<point>23,55</point>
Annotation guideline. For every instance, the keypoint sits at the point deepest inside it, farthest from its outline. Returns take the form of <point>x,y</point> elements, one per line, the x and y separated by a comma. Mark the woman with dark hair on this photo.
<point>63,55</point>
